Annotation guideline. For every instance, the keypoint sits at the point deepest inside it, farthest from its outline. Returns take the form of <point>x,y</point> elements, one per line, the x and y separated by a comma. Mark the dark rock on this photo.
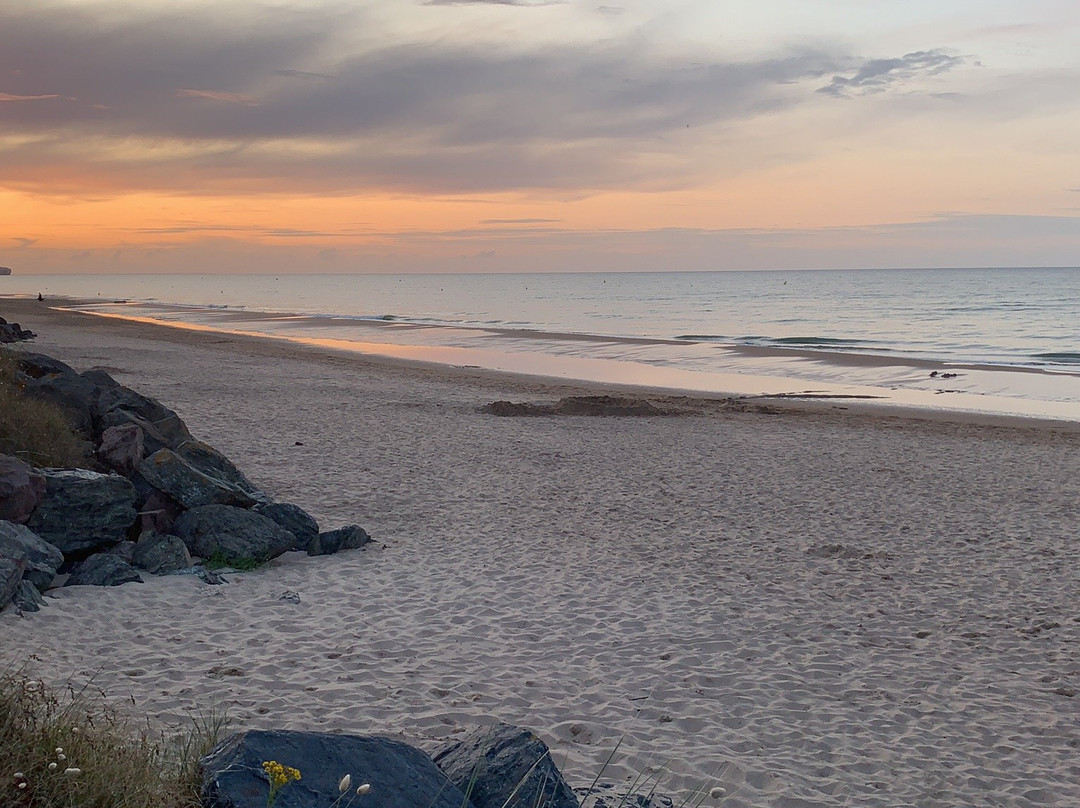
<point>232,533</point>
<point>11,573</point>
<point>103,569</point>
<point>294,519</point>
<point>13,332</point>
<point>169,472</point>
<point>214,464</point>
<point>116,404</point>
<point>49,379</point>
<point>27,598</point>
<point>352,537</point>
<point>499,759</point>
<point>158,511</point>
<point>42,559</point>
<point>21,489</point>
<point>124,550</point>
<point>84,510</point>
<point>160,554</point>
<point>400,775</point>
<point>121,447</point>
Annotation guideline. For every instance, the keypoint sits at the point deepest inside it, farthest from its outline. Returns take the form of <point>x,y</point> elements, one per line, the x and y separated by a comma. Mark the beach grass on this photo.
<point>70,749</point>
<point>35,431</point>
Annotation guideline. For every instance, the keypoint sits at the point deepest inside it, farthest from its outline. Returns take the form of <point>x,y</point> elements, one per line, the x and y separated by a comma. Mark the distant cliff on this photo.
<point>5,270</point>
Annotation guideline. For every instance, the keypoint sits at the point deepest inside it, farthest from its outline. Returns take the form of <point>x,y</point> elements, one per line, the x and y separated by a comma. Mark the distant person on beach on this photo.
<point>39,297</point>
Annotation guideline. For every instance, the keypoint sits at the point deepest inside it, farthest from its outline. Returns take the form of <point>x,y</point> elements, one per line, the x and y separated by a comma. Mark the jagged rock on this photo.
<point>103,569</point>
<point>400,775</point>
<point>160,554</point>
<point>51,380</point>
<point>352,537</point>
<point>124,550</point>
<point>84,510</point>
<point>232,533</point>
<point>169,472</point>
<point>27,598</point>
<point>158,511</point>
<point>121,447</point>
<point>294,519</point>
<point>117,405</point>
<point>13,332</point>
<point>11,573</point>
<point>21,489</point>
<point>42,559</point>
<point>213,463</point>
<point>497,760</point>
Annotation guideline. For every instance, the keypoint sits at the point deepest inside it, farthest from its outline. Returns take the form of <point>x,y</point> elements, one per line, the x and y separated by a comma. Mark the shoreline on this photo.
<point>562,373</point>
<point>825,606</point>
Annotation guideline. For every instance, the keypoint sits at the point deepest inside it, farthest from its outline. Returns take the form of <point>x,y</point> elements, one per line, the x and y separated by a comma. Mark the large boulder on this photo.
<point>232,533</point>
<point>351,537</point>
<point>294,519</point>
<point>27,598</point>
<point>400,775</point>
<point>212,463</point>
<point>121,447</point>
<point>42,559</point>
<point>167,471</point>
<point>11,573</point>
<point>21,489</point>
<point>507,767</point>
<point>103,569</point>
<point>49,379</point>
<point>12,332</point>
<point>116,405</point>
<point>161,553</point>
<point>83,510</point>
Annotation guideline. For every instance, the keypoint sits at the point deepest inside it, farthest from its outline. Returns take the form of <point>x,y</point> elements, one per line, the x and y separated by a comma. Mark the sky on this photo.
<point>537,135</point>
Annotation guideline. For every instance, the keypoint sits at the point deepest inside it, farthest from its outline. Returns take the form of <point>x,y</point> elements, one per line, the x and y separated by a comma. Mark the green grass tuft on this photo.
<point>72,751</point>
<point>36,432</point>
<point>220,560</point>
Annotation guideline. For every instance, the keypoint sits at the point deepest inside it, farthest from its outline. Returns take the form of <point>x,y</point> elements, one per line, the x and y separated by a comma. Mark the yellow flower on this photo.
<point>279,776</point>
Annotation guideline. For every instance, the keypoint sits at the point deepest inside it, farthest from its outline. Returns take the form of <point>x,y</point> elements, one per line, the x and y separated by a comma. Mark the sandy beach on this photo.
<point>811,607</point>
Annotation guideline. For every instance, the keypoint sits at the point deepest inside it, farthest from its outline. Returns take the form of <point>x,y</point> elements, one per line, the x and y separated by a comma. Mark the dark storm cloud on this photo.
<point>879,75</point>
<point>231,100</point>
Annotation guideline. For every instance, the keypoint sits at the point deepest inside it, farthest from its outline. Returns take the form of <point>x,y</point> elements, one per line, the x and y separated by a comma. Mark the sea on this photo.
<point>989,341</point>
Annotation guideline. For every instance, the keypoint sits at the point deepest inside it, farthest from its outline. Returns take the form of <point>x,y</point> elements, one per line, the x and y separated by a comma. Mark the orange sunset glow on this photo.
<point>145,137</point>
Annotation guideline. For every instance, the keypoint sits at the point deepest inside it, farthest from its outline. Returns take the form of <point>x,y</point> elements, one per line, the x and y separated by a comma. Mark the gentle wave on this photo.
<point>1060,357</point>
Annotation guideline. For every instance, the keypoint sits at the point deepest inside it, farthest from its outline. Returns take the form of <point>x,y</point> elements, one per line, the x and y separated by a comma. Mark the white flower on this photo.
<point>59,750</point>
<point>72,772</point>
<point>22,784</point>
<point>717,792</point>
<point>346,781</point>
<point>61,756</point>
<point>52,766</point>
<point>19,775</point>
<point>364,788</point>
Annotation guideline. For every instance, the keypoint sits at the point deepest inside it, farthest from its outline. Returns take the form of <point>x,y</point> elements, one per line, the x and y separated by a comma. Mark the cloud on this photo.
<point>215,95</point>
<point>25,242</point>
<point>11,97</point>
<point>879,75</point>
<point>317,98</point>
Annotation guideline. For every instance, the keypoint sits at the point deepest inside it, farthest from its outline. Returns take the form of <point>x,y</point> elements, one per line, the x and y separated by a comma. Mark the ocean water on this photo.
<point>1008,337</point>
